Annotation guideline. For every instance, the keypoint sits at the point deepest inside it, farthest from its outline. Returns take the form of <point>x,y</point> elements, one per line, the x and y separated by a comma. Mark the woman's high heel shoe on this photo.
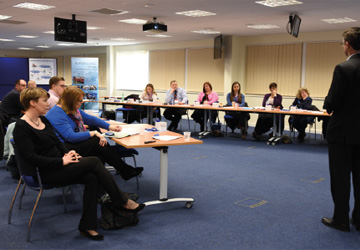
<point>136,210</point>
<point>91,237</point>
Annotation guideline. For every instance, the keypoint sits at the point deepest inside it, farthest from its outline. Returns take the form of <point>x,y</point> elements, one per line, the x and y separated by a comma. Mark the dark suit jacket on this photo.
<point>343,101</point>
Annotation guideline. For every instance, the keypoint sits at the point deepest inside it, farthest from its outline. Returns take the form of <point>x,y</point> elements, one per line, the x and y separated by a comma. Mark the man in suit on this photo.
<point>343,134</point>
<point>175,95</point>
<point>10,106</point>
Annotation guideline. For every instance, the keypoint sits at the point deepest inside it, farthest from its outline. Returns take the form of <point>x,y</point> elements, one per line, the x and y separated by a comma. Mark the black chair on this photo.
<point>27,172</point>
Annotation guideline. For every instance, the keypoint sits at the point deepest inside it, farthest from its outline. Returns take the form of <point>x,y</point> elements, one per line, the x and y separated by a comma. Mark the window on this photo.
<point>132,70</point>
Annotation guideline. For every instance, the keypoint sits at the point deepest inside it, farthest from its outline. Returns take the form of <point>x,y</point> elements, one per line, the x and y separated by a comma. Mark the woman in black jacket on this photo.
<point>38,144</point>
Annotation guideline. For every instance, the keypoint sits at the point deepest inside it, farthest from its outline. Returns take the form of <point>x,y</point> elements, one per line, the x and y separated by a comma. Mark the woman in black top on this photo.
<point>38,144</point>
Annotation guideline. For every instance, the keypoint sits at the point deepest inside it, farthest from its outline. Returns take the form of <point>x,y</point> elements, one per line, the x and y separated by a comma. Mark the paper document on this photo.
<point>165,137</point>
<point>130,131</point>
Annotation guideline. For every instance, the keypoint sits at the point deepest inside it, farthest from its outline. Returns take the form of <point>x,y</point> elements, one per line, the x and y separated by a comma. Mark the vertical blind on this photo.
<point>274,63</point>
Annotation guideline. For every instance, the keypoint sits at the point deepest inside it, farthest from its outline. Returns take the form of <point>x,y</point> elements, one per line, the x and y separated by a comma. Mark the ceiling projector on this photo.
<point>154,26</point>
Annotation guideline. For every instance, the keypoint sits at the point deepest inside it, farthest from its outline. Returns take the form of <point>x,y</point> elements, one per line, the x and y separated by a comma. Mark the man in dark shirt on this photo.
<point>10,106</point>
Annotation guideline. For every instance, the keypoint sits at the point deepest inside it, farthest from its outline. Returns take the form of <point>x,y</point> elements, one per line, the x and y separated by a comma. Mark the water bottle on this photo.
<point>122,97</point>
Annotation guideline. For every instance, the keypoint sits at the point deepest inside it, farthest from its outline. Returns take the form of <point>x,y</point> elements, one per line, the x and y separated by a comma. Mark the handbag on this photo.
<point>216,129</point>
<point>113,218</point>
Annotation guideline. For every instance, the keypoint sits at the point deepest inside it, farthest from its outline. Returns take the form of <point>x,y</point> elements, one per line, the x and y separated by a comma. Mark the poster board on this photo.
<point>42,69</point>
<point>85,75</point>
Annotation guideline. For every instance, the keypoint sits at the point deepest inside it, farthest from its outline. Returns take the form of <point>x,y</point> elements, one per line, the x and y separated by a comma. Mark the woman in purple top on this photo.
<point>206,97</point>
<point>265,121</point>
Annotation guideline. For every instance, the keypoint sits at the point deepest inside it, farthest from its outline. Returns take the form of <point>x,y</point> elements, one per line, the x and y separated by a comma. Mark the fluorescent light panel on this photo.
<point>6,40</point>
<point>26,36</point>
<point>49,32</point>
<point>23,48</point>
<point>94,28</point>
<point>133,21</point>
<point>263,26</point>
<point>122,39</point>
<point>2,17</point>
<point>206,32</point>
<point>66,44</point>
<point>339,20</point>
<point>43,46</point>
<point>278,3</point>
<point>158,36</point>
<point>196,13</point>
<point>33,6</point>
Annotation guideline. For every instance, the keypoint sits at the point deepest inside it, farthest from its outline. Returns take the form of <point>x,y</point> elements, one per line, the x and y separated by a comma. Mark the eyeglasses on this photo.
<point>22,85</point>
<point>62,86</point>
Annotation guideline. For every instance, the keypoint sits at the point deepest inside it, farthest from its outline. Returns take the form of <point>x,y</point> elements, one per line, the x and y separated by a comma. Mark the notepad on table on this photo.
<point>165,137</point>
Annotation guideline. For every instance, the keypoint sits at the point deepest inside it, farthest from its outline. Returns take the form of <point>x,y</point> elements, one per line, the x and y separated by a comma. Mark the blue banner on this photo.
<point>85,75</point>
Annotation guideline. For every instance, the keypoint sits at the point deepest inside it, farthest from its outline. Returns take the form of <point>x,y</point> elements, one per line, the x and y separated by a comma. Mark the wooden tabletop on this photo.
<point>208,107</point>
<point>137,141</point>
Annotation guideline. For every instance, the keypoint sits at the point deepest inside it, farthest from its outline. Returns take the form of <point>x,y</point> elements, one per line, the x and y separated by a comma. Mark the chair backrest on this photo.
<point>27,171</point>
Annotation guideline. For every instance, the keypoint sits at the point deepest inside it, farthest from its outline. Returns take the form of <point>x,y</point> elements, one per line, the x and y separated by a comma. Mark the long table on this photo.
<point>272,141</point>
<point>138,141</point>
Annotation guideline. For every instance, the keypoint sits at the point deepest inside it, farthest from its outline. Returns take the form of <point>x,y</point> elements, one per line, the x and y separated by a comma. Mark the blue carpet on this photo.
<point>247,196</point>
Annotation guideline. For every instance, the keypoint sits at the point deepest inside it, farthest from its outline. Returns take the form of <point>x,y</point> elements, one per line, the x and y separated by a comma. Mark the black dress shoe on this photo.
<point>330,222</point>
<point>132,173</point>
<point>356,225</point>
<point>136,210</point>
<point>91,237</point>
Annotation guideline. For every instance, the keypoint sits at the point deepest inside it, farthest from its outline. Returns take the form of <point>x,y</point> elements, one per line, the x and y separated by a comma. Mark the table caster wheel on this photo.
<point>188,204</point>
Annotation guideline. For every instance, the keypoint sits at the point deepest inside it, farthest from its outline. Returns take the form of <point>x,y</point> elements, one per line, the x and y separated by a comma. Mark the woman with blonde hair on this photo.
<point>300,122</point>
<point>69,120</point>
<point>149,94</point>
<point>38,144</point>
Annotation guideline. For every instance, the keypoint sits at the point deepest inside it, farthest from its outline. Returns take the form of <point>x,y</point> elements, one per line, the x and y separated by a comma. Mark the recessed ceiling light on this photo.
<point>6,40</point>
<point>43,46</point>
<point>66,44</point>
<point>206,31</point>
<point>122,39</point>
<point>158,36</point>
<point>23,48</point>
<point>26,36</point>
<point>94,28</point>
<point>277,3</point>
<point>2,17</point>
<point>196,13</point>
<point>49,32</point>
<point>33,6</point>
<point>338,20</point>
<point>263,26</point>
<point>133,21</point>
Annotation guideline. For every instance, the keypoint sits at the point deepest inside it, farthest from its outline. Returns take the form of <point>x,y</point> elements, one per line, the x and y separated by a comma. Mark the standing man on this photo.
<point>56,88</point>
<point>343,135</point>
<point>31,84</point>
<point>175,95</point>
<point>10,106</point>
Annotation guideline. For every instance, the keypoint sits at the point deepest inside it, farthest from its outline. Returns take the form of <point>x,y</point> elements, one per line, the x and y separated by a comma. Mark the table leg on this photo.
<point>164,183</point>
<point>150,113</point>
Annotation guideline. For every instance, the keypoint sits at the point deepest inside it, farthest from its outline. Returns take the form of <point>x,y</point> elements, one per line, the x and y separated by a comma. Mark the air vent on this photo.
<point>107,11</point>
<point>11,22</point>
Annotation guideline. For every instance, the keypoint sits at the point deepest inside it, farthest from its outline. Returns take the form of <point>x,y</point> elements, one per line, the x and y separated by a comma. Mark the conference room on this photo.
<point>248,195</point>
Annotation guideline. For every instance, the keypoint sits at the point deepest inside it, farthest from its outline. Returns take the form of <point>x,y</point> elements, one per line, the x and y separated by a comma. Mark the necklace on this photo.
<point>36,124</point>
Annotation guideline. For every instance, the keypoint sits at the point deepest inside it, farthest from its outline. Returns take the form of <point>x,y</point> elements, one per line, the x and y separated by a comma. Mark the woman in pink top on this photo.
<point>207,97</point>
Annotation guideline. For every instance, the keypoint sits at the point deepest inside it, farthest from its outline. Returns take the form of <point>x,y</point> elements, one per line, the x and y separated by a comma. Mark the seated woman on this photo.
<point>265,121</point>
<point>239,119</point>
<point>149,95</point>
<point>38,144</point>
<point>206,97</point>
<point>68,121</point>
<point>300,122</point>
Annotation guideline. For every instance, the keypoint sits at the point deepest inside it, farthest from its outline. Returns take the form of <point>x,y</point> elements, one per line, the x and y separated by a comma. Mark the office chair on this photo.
<point>125,153</point>
<point>27,179</point>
